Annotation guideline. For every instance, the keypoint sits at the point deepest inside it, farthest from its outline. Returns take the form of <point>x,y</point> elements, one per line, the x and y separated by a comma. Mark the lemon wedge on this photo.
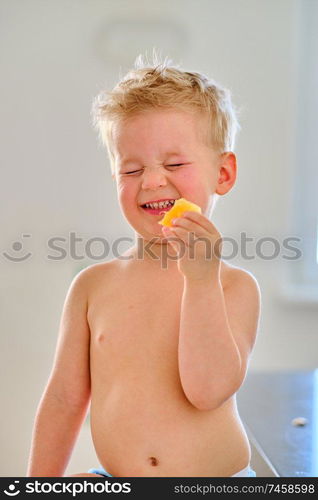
<point>180,206</point>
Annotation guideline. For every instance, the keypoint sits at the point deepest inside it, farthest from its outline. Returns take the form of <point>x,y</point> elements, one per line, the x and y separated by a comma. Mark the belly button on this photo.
<point>153,461</point>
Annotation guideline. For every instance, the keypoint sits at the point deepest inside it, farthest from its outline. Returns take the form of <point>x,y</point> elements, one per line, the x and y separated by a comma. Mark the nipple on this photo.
<point>153,461</point>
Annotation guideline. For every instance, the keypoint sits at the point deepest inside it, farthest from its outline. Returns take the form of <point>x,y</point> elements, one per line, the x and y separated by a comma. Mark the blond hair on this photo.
<point>165,86</point>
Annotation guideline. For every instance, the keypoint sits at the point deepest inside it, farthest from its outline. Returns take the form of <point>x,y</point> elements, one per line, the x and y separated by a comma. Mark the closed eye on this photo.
<point>132,172</point>
<point>140,170</point>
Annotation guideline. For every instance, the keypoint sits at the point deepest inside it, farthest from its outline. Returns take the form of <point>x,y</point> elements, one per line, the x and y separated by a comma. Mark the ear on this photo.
<point>227,173</point>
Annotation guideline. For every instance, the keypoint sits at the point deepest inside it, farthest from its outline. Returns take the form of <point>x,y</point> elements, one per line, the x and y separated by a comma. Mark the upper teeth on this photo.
<point>160,204</point>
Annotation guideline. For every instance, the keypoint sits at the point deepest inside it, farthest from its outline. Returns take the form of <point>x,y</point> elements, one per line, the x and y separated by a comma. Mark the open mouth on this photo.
<point>158,207</point>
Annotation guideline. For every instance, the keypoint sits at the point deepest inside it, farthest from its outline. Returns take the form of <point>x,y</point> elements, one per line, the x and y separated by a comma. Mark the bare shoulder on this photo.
<point>233,275</point>
<point>91,275</point>
<point>242,297</point>
<point>242,291</point>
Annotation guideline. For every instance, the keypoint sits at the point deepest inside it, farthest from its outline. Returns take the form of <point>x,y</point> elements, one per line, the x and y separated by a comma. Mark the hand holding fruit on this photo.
<point>195,239</point>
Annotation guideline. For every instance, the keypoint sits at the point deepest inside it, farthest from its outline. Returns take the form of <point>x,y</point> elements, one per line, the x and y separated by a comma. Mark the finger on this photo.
<point>182,234</point>
<point>190,225</point>
<point>200,219</point>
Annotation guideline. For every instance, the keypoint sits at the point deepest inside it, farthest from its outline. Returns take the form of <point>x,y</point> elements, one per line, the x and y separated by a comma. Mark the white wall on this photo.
<point>55,57</point>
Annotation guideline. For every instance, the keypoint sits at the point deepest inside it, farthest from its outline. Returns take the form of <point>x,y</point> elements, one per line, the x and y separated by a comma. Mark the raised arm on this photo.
<point>218,326</point>
<point>218,329</point>
<point>66,397</point>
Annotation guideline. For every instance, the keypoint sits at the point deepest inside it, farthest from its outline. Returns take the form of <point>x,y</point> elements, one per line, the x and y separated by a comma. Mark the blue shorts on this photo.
<point>246,472</point>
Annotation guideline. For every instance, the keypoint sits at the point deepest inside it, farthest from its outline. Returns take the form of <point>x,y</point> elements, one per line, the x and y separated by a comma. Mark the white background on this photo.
<point>55,57</point>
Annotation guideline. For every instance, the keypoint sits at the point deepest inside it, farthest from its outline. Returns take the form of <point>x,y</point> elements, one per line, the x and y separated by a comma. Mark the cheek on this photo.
<point>127,195</point>
<point>192,184</point>
<point>124,192</point>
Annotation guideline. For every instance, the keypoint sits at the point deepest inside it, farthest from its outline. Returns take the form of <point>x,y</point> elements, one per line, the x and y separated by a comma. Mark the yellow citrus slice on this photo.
<point>180,206</point>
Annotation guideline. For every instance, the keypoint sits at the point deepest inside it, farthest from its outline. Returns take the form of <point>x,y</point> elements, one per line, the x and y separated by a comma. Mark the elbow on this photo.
<point>75,403</point>
<point>204,402</point>
<point>204,405</point>
<point>210,400</point>
<point>205,394</point>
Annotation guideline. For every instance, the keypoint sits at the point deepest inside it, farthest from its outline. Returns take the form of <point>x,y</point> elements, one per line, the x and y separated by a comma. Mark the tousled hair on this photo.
<point>162,85</point>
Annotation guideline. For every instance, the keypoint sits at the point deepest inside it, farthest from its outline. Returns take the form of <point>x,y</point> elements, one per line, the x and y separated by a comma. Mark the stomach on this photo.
<point>144,431</point>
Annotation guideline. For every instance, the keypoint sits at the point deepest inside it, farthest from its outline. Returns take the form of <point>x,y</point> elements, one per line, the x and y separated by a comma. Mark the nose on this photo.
<point>153,177</point>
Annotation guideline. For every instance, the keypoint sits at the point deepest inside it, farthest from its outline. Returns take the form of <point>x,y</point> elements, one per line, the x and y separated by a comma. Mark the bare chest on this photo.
<point>134,324</point>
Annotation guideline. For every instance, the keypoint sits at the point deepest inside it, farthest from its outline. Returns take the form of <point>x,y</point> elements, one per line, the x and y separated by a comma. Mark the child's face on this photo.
<point>163,155</point>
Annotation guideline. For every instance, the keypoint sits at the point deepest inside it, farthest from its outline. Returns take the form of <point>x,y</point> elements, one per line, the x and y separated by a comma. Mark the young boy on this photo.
<point>157,341</point>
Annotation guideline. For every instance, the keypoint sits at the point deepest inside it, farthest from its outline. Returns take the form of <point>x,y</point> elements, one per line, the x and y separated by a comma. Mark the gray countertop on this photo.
<point>269,403</point>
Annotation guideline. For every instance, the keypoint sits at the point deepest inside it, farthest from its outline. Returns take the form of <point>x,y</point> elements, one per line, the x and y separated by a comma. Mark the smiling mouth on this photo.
<point>158,208</point>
